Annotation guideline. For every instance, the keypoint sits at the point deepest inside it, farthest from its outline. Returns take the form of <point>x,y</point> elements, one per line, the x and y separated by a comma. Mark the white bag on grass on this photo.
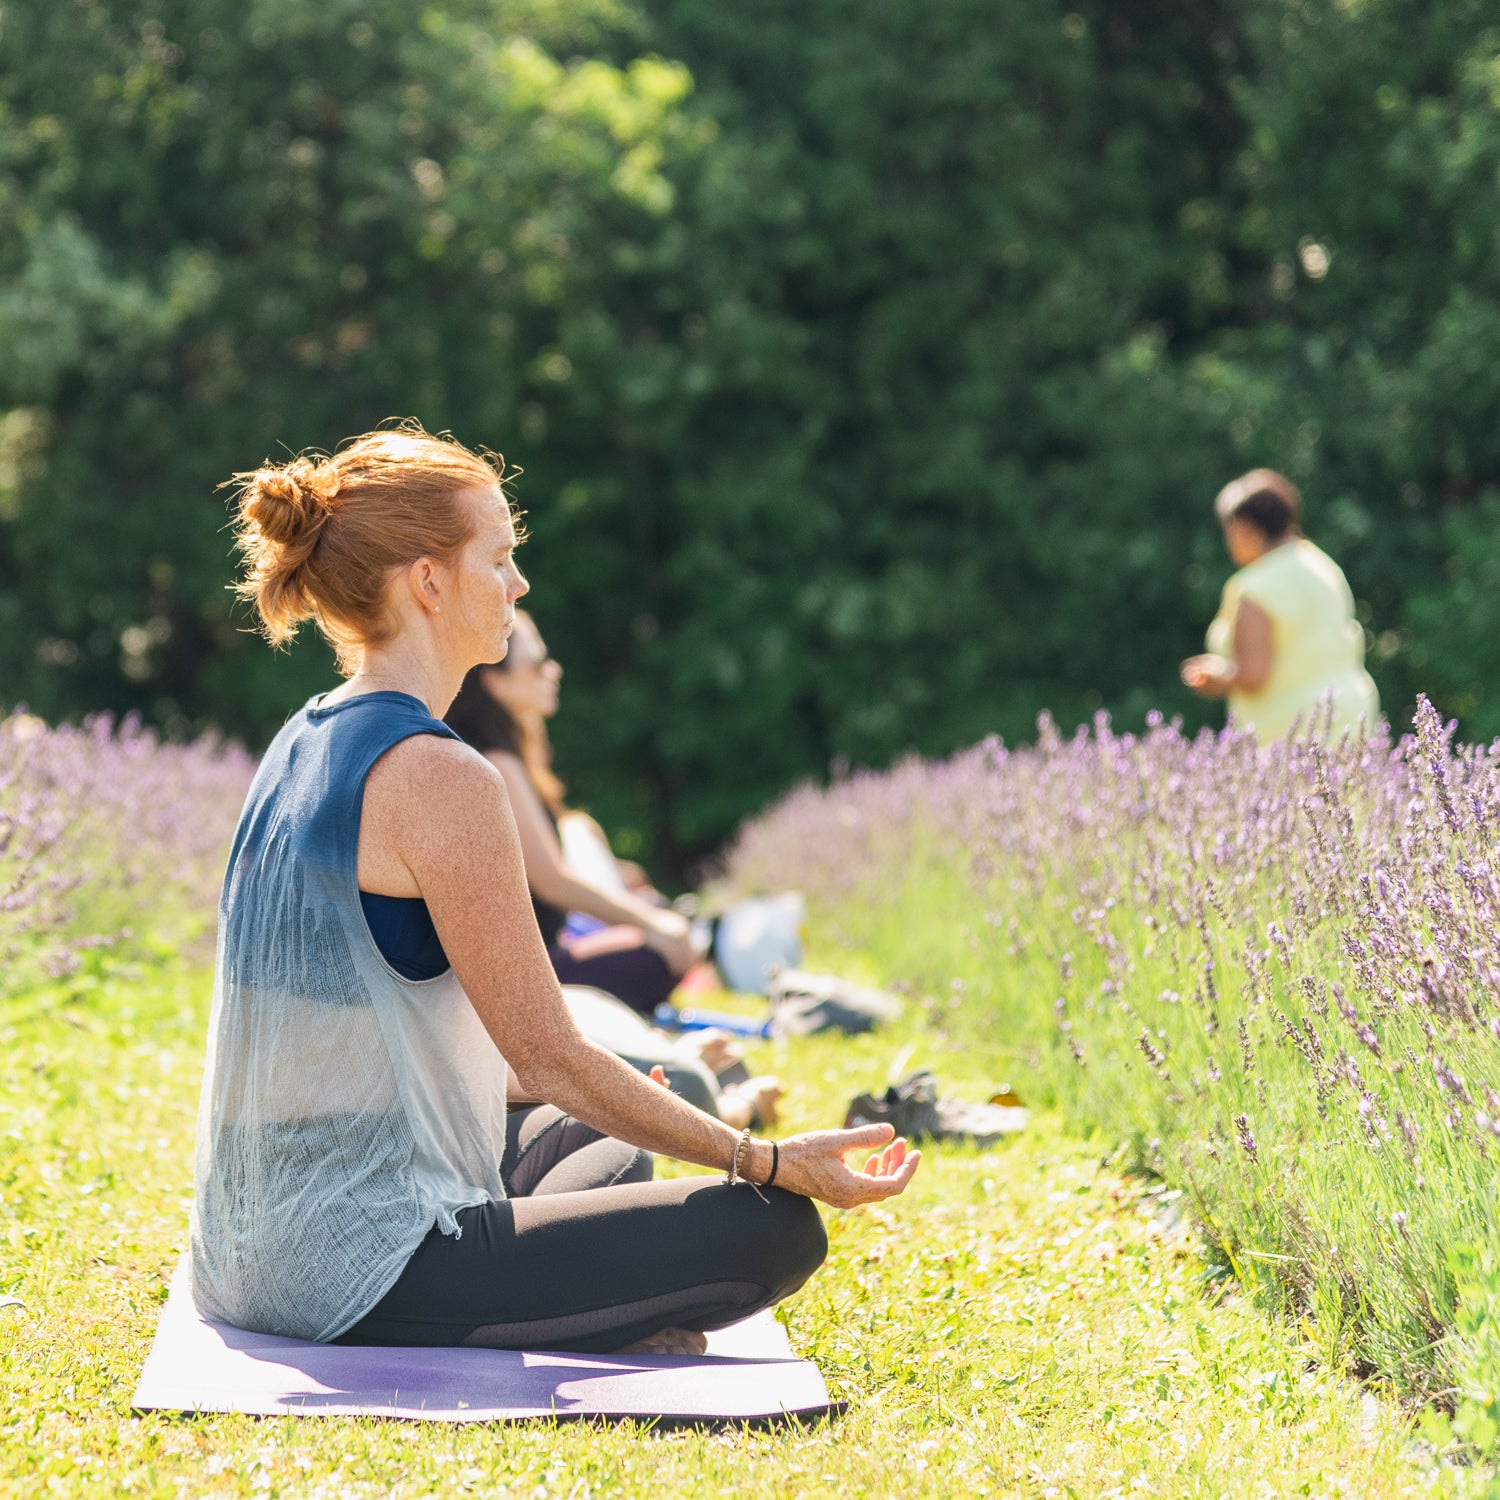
<point>757,937</point>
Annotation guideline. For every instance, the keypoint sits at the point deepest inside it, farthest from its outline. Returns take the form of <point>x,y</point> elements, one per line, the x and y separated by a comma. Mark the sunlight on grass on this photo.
<point>1025,1321</point>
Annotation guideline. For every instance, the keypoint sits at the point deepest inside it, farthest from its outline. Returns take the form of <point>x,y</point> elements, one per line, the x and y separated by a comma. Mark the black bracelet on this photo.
<point>775,1164</point>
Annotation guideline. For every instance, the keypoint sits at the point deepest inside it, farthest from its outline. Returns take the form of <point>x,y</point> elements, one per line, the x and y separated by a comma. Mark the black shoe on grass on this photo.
<point>912,1108</point>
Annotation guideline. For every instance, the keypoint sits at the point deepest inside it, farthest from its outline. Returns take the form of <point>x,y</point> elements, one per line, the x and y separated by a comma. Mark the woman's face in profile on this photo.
<point>1243,541</point>
<point>527,684</point>
<point>487,581</point>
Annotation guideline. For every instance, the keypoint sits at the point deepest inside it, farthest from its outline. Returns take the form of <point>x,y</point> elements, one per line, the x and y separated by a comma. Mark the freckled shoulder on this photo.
<point>427,772</point>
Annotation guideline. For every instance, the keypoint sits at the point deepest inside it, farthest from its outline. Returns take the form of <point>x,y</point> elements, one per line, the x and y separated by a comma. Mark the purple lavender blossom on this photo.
<point>104,830</point>
<point>1310,932</point>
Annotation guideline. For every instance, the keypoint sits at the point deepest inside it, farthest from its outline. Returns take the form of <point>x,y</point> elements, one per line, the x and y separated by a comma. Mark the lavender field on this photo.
<point>1091,919</point>
<point>112,845</point>
<point>1275,973</point>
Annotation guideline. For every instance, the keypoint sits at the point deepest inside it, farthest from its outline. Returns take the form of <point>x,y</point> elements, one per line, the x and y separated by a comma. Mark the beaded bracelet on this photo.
<point>735,1175</point>
<point>734,1161</point>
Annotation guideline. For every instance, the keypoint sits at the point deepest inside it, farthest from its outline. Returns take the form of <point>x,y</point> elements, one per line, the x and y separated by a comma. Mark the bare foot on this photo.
<point>669,1341</point>
<point>754,1100</point>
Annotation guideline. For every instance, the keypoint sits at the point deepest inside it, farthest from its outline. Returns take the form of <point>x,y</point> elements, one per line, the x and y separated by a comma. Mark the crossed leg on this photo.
<point>597,1267</point>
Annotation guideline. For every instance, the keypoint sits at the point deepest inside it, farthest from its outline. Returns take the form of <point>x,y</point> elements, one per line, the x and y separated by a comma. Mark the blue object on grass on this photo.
<point>690,1019</point>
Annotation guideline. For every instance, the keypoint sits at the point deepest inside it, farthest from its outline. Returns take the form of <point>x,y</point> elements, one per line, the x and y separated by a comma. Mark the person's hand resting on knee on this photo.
<point>813,1164</point>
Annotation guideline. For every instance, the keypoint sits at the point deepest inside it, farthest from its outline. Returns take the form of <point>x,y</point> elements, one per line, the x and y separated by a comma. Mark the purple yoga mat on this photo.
<point>748,1375</point>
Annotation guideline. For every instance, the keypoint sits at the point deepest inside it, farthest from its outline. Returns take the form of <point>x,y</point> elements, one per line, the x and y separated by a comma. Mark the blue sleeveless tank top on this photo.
<point>346,1109</point>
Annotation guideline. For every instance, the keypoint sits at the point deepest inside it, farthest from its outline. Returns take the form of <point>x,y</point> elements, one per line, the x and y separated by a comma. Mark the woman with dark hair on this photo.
<point>1284,648</point>
<point>379,974</point>
<point>643,948</point>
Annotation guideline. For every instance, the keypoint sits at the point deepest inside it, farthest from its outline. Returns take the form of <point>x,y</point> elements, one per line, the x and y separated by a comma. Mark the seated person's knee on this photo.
<point>801,1239</point>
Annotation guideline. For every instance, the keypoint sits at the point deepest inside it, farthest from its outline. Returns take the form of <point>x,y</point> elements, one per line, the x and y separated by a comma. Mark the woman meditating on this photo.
<point>642,948</point>
<point>356,1179</point>
<point>1285,647</point>
<point>502,710</point>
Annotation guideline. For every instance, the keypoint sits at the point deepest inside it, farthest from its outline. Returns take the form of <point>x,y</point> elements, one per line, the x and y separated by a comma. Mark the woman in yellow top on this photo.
<point>1285,643</point>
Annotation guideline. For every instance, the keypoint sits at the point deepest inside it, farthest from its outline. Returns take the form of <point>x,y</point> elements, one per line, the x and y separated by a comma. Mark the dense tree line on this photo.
<point>872,366</point>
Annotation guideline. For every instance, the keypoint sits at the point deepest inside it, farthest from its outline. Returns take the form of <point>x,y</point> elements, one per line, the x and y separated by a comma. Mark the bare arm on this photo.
<point>1254,654</point>
<point>437,823</point>
<point>1253,651</point>
<point>558,884</point>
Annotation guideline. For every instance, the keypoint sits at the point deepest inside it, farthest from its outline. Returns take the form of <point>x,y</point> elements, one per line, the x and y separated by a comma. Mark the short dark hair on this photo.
<point>1269,501</point>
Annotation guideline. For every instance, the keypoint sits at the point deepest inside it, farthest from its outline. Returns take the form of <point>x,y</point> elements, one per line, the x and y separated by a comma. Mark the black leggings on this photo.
<point>588,1255</point>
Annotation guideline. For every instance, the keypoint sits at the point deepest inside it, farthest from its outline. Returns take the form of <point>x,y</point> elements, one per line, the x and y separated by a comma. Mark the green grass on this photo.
<point>1024,1322</point>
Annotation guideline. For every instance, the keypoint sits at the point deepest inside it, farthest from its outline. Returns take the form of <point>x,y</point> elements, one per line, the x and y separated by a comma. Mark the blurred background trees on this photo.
<point>872,366</point>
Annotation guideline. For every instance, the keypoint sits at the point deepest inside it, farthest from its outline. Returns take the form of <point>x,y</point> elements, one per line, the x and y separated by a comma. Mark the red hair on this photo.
<point>322,536</point>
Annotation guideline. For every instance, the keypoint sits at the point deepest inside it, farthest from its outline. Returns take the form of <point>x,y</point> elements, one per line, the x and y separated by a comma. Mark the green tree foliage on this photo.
<point>236,229</point>
<point>872,366</point>
<point>1372,155</point>
<point>984,497</point>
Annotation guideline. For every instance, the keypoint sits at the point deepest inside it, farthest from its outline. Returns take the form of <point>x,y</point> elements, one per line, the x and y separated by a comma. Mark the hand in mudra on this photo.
<point>671,936</point>
<point>813,1164</point>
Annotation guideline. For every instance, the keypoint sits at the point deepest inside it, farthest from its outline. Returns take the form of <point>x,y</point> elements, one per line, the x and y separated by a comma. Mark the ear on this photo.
<point>425,584</point>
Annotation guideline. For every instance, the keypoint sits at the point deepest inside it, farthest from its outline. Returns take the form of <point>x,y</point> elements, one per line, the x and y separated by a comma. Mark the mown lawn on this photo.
<point>1025,1321</point>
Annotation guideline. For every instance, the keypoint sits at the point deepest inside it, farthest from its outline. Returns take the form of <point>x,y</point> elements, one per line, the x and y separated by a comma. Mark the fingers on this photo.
<point>861,1189</point>
<point>907,1172</point>
<point>887,1184</point>
<point>885,1175</point>
<point>883,1163</point>
<point>863,1136</point>
<point>815,1164</point>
